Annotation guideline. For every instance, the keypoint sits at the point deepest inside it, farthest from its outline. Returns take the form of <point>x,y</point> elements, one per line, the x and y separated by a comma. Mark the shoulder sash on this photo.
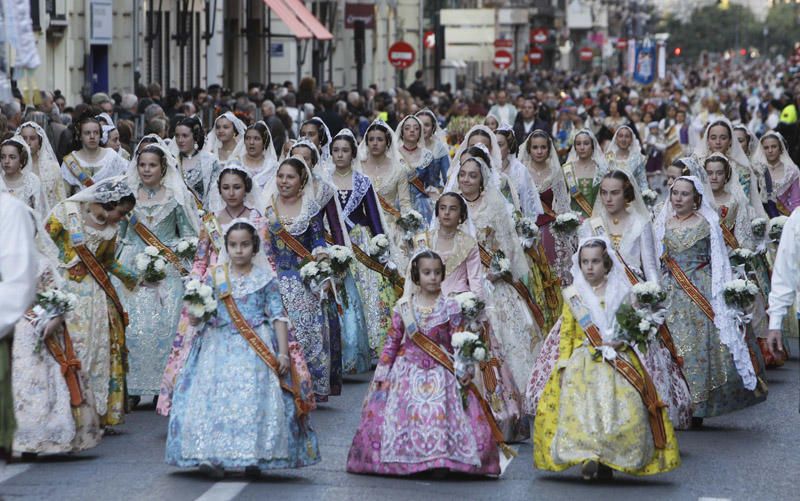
<point>213,231</point>
<point>77,171</point>
<point>70,365</point>
<point>417,183</point>
<point>486,260</point>
<point>688,287</point>
<point>151,239</point>
<point>572,185</point>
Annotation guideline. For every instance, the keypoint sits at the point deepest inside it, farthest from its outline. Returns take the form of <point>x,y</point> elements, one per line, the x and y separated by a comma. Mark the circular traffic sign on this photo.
<point>622,44</point>
<point>502,59</point>
<point>429,40</point>
<point>401,55</point>
<point>539,35</point>
<point>536,55</point>
<point>586,54</point>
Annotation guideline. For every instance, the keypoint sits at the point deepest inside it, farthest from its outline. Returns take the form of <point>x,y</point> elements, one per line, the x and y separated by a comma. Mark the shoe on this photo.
<point>133,401</point>
<point>252,471</point>
<point>697,423</point>
<point>212,470</point>
<point>589,470</point>
<point>604,472</point>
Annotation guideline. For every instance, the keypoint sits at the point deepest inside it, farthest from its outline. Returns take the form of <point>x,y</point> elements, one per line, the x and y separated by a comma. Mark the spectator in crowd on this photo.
<point>275,124</point>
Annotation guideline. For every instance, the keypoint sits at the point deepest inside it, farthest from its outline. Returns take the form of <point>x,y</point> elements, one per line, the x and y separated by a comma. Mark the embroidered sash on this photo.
<point>641,382</point>
<point>70,365</point>
<point>486,260</point>
<point>417,183</point>
<point>386,206</point>
<point>398,282</point>
<point>688,287</point>
<point>572,184</point>
<point>548,210</point>
<point>74,168</point>
<point>222,283</point>
<point>213,232</point>
<point>150,239</point>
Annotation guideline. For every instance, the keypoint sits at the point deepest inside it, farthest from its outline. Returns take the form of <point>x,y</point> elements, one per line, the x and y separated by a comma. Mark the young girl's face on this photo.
<point>232,189</point>
<point>672,172</point>
<point>427,125</point>
<point>310,132</point>
<point>113,140</point>
<point>430,275</point>
<point>539,149</point>
<point>240,247</point>
<point>253,143</point>
<point>502,142</point>
<point>184,139</point>
<point>624,138</point>
<point>10,160</point>
<point>224,130</point>
<point>583,146</point>
<point>376,142</point>
<point>449,213</point>
<point>411,131</point>
<point>342,154</point>
<point>592,266</point>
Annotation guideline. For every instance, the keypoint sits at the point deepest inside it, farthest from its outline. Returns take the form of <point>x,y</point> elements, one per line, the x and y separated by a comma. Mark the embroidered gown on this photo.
<point>110,164</point>
<point>228,406</point>
<point>361,214</point>
<point>395,198</point>
<point>54,190</point>
<point>97,330</point>
<point>28,190</point>
<point>419,423</point>
<point>708,366</point>
<point>586,187</point>
<point>428,173</point>
<point>589,412</point>
<point>200,173</point>
<point>154,311</point>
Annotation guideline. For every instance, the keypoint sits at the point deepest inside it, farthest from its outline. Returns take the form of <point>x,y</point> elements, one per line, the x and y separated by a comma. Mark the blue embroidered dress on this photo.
<point>228,407</point>
<point>428,173</point>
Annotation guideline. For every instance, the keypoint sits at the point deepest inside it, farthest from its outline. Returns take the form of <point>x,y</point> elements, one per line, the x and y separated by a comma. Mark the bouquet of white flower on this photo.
<point>776,228</point>
<point>759,226</point>
<point>500,265</point>
<point>313,273</point>
<point>340,257</point>
<point>411,223</point>
<point>648,293</point>
<point>650,198</point>
<point>186,248</point>
<point>528,231</point>
<point>151,264</point>
<point>740,293</point>
<point>200,300</point>
<point>55,302</point>
<point>379,250</point>
<point>742,257</point>
<point>567,222</point>
<point>471,308</point>
<point>468,349</point>
<point>636,327</point>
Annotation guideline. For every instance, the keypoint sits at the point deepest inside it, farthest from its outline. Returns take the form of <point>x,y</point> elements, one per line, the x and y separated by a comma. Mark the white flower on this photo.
<point>196,310</point>
<point>193,241</point>
<point>141,262</point>
<point>210,306</point>
<point>325,267</point>
<point>460,338</point>
<point>204,291</point>
<point>504,264</point>
<point>567,217</point>
<point>309,270</point>
<point>608,352</point>
<point>151,251</point>
<point>182,246</point>
<point>644,325</point>
<point>462,298</point>
<point>159,265</point>
<point>479,354</point>
<point>380,241</point>
<point>192,285</point>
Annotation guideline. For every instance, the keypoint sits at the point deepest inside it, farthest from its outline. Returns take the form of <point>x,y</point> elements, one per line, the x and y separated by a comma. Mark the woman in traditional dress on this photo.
<point>260,159</point>
<point>600,408</point>
<point>26,187</point>
<point>44,164</point>
<point>718,138</point>
<point>517,174</point>
<point>84,228</point>
<point>198,167</point>
<point>109,138</point>
<point>315,130</point>
<point>89,162</point>
<point>417,160</point>
<point>226,141</point>
<point>510,303</point>
<point>54,413</point>
<point>717,361</point>
<point>624,153</point>
<point>583,169</point>
<point>364,220</point>
<point>435,142</point>
<point>236,408</point>
<point>414,418</point>
<point>165,214</point>
<point>234,198</point>
<point>747,140</point>
<point>492,122</point>
<point>781,183</point>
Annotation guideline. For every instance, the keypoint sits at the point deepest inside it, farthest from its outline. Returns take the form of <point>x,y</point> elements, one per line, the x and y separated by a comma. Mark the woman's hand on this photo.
<point>283,364</point>
<point>194,321</point>
<point>54,326</point>
<point>287,145</point>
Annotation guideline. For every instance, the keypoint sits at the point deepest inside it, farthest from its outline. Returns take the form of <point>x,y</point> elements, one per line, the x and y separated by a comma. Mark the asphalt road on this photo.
<point>752,454</point>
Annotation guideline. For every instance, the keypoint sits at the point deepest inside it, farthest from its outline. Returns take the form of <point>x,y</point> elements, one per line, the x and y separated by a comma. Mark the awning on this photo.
<point>300,21</point>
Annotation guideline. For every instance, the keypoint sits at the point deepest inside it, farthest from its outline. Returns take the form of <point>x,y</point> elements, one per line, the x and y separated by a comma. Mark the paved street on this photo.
<point>752,454</point>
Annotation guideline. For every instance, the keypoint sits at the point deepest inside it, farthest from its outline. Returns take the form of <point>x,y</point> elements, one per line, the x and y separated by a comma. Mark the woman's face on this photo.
<point>672,172</point>
<point>376,142</point>
<point>480,139</point>
<point>119,212</point>
<point>32,138</point>
<point>624,138</point>
<point>10,160</point>
<point>449,213</point>
<point>469,180</point>
<point>539,150</point>
<point>232,189</point>
<point>149,167</point>
<point>289,182</point>
<point>411,131</point>
<point>184,139</point>
<point>719,139</point>
<point>502,142</point>
<point>310,132</point>
<point>612,193</point>
<point>613,108</point>
<point>741,136</point>
<point>592,266</point>
<point>90,135</point>
<point>304,153</point>
<point>772,149</point>
<point>253,143</point>
<point>427,125</point>
<point>491,122</point>
<point>342,154</point>
<point>113,140</point>
<point>224,130</point>
<point>682,197</point>
<point>583,146</point>
<point>717,176</point>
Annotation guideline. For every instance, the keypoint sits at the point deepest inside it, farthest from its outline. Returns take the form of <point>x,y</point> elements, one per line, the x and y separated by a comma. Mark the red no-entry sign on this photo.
<point>622,44</point>
<point>401,55</point>
<point>536,55</point>
<point>539,35</point>
<point>586,54</point>
<point>502,59</point>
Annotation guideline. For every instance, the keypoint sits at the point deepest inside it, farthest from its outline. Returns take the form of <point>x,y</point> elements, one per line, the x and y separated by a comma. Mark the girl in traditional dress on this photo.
<point>54,412</point>
<point>600,408</point>
<point>234,198</point>
<point>530,204</point>
<point>435,142</point>
<point>315,130</point>
<point>418,161</point>
<point>242,402</point>
<point>582,172</point>
<point>26,187</point>
<point>226,142</point>
<point>198,167</point>
<point>781,183</point>
<point>109,138</point>
<point>165,213</point>
<point>44,164</point>
<point>717,361</point>
<point>89,162</point>
<point>84,228</point>
<point>492,122</point>
<point>718,138</point>
<point>363,218</point>
<point>747,140</point>
<point>624,153</point>
<point>414,418</point>
<point>260,159</point>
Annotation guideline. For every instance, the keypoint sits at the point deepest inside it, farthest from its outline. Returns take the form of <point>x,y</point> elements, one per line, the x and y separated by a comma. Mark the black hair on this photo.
<point>480,132</point>
<point>262,130</point>
<point>427,254</point>
<point>350,141</point>
<point>477,151</point>
<point>724,161</point>
<point>126,200</point>
<point>722,123</point>
<point>248,182</point>
<point>462,205</point>
<point>314,153</point>
<point>511,139</point>
<point>319,124</point>
<point>627,186</point>
<point>679,163</point>
<point>698,198</point>
<point>297,165</point>
<point>250,229</point>
<point>196,127</point>
<point>598,244</point>
<point>383,128</point>
<point>145,141</point>
<point>539,133</point>
<point>86,118</point>
<point>23,153</point>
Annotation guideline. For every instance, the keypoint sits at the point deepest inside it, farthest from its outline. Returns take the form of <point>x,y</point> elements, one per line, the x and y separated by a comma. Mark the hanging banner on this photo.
<point>662,59</point>
<point>644,70</point>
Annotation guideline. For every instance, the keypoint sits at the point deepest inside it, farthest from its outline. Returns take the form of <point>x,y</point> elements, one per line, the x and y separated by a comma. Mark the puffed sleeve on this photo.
<point>475,272</point>
<point>649,261</point>
<point>274,306</point>
<point>403,194</point>
<point>785,275</point>
<point>185,228</point>
<point>391,347</point>
<point>332,215</point>
<point>105,255</point>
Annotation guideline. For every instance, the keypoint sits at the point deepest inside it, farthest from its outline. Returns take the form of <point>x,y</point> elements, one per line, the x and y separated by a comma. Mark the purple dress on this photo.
<point>419,423</point>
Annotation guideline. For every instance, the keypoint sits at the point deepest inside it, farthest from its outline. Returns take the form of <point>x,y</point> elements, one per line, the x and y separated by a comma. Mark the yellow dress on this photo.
<point>589,412</point>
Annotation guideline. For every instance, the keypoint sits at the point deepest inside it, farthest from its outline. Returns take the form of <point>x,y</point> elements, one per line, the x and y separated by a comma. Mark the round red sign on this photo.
<point>429,40</point>
<point>401,55</point>
<point>536,55</point>
<point>586,54</point>
<point>502,59</point>
<point>539,35</point>
<point>622,44</point>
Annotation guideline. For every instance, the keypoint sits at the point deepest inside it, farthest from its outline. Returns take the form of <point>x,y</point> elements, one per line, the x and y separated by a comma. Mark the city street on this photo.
<point>751,454</point>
